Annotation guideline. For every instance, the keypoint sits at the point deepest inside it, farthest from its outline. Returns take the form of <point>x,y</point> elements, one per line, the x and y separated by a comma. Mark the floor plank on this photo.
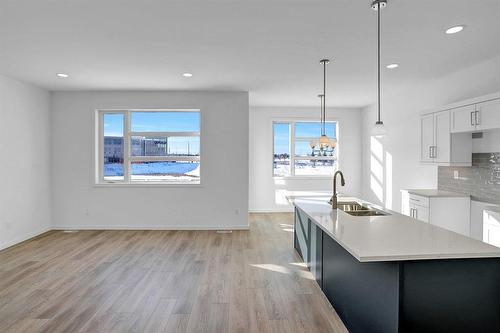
<point>163,281</point>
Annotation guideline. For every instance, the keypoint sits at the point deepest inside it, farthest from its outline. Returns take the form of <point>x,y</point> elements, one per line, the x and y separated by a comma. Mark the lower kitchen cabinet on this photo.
<point>445,295</point>
<point>448,212</point>
<point>308,241</point>
<point>365,295</point>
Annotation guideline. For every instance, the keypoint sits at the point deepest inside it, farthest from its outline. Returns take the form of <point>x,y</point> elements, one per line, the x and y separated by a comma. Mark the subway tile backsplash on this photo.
<point>481,181</point>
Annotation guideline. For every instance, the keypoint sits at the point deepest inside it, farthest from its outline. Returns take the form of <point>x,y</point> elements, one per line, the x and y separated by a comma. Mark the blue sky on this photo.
<point>302,129</point>
<point>153,122</point>
<point>159,122</point>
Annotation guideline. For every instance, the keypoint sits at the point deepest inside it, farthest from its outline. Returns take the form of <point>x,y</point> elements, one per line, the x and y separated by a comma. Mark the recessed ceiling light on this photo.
<point>392,66</point>
<point>454,30</point>
<point>63,75</point>
<point>187,74</point>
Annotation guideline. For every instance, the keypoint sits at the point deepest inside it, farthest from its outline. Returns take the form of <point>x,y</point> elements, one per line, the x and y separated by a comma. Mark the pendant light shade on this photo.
<point>379,129</point>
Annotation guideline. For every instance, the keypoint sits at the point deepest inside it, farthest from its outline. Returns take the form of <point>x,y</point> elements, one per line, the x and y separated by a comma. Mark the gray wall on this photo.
<point>221,201</point>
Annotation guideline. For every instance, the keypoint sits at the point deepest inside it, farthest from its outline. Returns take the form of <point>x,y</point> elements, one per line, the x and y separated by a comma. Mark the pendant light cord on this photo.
<point>324,99</point>
<point>378,60</point>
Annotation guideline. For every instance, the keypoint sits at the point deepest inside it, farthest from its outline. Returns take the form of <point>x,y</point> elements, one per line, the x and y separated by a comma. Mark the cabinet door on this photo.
<point>302,234</point>
<point>316,253</point>
<point>442,144</point>
<point>426,137</point>
<point>488,115</point>
<point>422,213</point>
<point>463,119</point>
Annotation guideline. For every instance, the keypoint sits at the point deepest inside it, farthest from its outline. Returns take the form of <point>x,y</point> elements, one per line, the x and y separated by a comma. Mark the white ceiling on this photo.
<point>268,47</point>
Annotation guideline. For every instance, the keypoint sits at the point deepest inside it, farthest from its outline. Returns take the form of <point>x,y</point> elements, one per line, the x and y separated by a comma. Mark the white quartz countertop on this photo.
<point>392,237</point>
<point>431,193</point>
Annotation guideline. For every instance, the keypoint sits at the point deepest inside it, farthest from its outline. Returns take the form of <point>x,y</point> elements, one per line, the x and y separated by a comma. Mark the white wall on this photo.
<point>220,202</point>
<point>25,168</point>
<point>266,192</point>
<point>393,163</point>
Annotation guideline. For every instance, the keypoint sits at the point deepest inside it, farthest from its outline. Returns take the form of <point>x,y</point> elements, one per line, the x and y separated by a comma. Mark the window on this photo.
<point>296,149</point>
<point>145,146</point>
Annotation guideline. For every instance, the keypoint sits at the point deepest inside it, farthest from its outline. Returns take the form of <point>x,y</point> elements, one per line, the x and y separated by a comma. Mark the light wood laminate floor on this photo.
<point>163,281</point>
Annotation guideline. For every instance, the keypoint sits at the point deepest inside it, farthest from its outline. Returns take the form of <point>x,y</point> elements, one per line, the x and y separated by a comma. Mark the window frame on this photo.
<point>291,122</point>
<point>127,150</point>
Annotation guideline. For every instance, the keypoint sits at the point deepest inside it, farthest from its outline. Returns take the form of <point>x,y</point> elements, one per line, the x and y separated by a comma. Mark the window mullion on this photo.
<point>292,147</point>
<point>101,147</point>
<point>126,148</point>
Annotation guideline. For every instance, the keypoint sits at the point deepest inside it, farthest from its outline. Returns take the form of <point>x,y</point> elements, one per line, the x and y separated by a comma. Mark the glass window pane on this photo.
<point>172,121</point>
<point>313,129</point>
<point>315,167</point>
<point>184,171</point>
<point>167,146</point>
<point>281,160</point>
<point>303,148</point>
<point>113,146</point>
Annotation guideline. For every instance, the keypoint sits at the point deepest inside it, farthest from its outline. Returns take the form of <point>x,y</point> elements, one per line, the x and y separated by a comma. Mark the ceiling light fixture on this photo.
<point>392,66</point>
<point>63,75</point>
<point>455,29</point>
<point>324,144</point>
<point>379,129</point>
<point>187,74</point>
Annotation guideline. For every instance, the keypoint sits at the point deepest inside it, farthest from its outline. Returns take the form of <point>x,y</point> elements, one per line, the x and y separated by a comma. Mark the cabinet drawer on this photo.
<point>419,200</point>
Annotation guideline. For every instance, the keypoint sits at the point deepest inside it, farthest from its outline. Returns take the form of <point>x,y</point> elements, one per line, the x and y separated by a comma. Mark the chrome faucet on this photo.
<point>333,199</point>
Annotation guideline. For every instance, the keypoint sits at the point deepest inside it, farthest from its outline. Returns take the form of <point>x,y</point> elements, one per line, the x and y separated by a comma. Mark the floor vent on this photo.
<point>224,231</point>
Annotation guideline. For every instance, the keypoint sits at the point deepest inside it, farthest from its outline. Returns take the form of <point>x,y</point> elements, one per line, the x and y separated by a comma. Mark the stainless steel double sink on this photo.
<point>356,209</point>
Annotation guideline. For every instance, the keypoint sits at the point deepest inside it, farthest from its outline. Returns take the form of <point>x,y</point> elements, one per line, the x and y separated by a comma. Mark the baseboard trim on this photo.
<point>152,227</point>
<point>24,238</point>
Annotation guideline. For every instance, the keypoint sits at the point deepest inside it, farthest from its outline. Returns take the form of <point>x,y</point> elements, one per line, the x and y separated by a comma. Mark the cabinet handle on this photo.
<point>411,212</point>
<point>472,118</point>
<point>416,213</point>
<point>476,117</point>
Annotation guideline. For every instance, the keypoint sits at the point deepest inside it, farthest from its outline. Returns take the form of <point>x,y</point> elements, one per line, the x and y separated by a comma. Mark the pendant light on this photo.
<point>379,129</point>
<point>315,142</point>
<point>323,140</point>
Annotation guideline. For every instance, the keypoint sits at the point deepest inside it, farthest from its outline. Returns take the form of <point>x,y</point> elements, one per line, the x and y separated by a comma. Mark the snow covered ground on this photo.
<point>155,172</point>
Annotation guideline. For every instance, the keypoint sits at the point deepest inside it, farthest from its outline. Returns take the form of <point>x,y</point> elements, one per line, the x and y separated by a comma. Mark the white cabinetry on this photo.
<point>487,115</point>
<point>438,145</point>
<point>463,119</point>
<point>452,213</point>
<point>476,117</point>
<point>491,227</point>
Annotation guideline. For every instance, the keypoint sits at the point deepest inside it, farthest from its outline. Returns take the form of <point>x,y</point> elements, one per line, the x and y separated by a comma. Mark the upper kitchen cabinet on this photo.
<point>463,119</point>
<point>438,145</point>
<point>487,115</point>
<point>476,117</point>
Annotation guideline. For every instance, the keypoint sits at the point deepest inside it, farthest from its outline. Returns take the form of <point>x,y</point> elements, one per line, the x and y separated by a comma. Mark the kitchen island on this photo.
<point>391,273</point>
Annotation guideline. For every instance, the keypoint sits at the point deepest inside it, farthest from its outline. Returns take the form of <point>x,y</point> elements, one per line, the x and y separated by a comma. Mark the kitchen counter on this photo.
<point>395,274</point>
<point>433,193</point>
<point>393,237</point>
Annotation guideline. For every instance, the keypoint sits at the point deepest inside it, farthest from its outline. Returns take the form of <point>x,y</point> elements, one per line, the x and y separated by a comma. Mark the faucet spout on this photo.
<point>333,199</point>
